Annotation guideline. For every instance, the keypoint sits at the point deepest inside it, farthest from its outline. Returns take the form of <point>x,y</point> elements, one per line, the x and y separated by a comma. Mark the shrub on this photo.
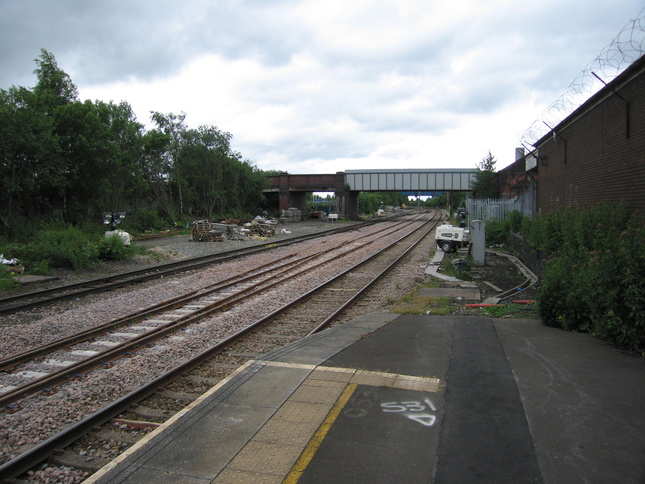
<point>67,248</point>
<point>514,221</point>
<point>60,246</point>
<point>496,231</point>
<point>113,248</point>
<point>594,279</point>
<point>139,221</point>
<point>6,278</point>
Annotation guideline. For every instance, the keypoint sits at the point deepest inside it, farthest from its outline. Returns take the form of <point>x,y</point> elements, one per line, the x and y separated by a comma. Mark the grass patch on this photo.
<point>448,268</point>
<point>414,304</point>
<point>510,310</point>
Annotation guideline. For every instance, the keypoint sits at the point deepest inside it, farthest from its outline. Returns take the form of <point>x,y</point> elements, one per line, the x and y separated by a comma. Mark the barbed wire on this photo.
<point>623,50</point>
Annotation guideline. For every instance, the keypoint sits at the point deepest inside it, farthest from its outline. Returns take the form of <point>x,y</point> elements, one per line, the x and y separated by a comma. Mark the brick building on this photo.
<point>597,153</point>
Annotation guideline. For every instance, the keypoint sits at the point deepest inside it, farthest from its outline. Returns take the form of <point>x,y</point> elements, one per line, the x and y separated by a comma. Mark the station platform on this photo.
<point>407,398</point>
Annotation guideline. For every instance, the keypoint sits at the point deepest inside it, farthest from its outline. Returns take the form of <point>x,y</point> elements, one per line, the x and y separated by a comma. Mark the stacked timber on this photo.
<point>203,231</point>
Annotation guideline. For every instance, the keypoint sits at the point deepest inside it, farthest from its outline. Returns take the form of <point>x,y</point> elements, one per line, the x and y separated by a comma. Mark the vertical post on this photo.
<point>478,242</point>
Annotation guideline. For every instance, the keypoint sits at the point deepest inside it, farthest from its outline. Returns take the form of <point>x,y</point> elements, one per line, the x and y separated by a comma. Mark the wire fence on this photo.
<point>624,49</point>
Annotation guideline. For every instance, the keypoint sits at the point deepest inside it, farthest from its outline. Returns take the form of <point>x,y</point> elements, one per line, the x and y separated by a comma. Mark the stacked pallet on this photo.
<point>203,231</point>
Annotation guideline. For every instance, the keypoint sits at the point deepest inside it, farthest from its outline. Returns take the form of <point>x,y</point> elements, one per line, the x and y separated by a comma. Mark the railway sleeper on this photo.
<point>106,435</point>
<point>151,413</point>
<point>183,396</point>
<point>80,462</point>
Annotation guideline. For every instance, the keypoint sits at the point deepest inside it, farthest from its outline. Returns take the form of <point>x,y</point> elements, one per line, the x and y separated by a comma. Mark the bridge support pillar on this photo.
<point>347,204</point>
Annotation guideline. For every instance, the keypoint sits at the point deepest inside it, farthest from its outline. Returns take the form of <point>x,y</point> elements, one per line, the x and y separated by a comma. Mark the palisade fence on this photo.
<point>498,209</point>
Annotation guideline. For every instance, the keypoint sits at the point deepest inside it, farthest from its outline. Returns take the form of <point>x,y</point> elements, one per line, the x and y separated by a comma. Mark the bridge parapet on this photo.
<point>405,180</point>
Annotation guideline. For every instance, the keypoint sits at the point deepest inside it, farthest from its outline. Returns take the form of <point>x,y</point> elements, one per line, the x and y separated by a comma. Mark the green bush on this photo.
<point>140,221</point>
<point>113,248</point>
<point>60,246</point>
<point>514,221</point>
<point>70,248</point>
<point>497,231</point>
<point>6,278</point>
<point>594,279</point>
<point>56,245</point>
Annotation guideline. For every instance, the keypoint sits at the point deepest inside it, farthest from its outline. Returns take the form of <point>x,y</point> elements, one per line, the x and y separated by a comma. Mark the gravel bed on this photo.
<point>43,416</point>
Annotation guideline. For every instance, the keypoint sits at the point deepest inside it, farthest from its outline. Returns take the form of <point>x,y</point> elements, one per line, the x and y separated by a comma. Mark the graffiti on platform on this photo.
<point>419,411</point>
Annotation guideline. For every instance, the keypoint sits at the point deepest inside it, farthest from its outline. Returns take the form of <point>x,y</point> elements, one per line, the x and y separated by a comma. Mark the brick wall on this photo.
<point>591,158</point>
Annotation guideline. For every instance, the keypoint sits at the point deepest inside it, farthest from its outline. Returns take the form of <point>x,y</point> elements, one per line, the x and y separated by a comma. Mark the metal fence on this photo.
<point>497,209</point>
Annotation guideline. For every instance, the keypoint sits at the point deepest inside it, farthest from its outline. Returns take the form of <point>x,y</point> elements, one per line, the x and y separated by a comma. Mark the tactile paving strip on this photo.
<point>301,415</point>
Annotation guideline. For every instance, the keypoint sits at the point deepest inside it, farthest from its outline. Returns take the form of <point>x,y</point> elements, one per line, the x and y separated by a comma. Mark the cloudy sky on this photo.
<point>319,86</point>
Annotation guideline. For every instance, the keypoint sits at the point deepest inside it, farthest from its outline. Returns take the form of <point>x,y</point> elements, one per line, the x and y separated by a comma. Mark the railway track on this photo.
<point>124,336</point>
<point>284,328</point>
<point>21,302</point>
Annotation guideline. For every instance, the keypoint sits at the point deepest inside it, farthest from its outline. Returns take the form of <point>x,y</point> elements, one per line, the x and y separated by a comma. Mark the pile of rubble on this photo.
<point>13,265</point>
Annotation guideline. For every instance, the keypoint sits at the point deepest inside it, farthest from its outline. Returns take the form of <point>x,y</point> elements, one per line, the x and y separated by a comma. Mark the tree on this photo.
<point>32,164</point>
<point>53,91</point>
<point>155,168</point>
<point>101,144</point>
<point>485,186</point>
<point>59,155</point>
<point>174,126</point>
<point>54,88</point>
<point>25,140</point>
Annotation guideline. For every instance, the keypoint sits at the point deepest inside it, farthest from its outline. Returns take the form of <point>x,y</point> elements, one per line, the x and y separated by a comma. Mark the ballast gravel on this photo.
<point>43,416</point>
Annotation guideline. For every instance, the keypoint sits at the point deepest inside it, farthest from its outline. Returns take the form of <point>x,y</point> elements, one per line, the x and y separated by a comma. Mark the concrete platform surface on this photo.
<point>390,398</point>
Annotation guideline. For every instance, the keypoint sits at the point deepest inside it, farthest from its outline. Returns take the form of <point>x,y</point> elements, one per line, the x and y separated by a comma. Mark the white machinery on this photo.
<point>450,237</point>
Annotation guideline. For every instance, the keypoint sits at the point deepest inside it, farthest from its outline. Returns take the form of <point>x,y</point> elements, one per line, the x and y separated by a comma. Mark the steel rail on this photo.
<point>15,360</point>
<point>74,432</point>
<point>183,299</point>
<point>103,358</point>
<point>334,316</point>
<point>8,304</point>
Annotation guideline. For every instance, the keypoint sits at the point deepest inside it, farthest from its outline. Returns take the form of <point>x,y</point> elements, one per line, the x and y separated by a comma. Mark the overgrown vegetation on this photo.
<point>593,272</point>
<point>7,280</point>
<point>57,245</point>
<point>415,304</point>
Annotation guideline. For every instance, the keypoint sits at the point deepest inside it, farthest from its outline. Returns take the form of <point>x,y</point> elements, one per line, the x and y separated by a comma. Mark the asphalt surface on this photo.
<point>406,398</point>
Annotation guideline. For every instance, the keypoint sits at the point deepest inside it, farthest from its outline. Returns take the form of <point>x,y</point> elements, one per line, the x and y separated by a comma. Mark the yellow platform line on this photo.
<point>311,448</point>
